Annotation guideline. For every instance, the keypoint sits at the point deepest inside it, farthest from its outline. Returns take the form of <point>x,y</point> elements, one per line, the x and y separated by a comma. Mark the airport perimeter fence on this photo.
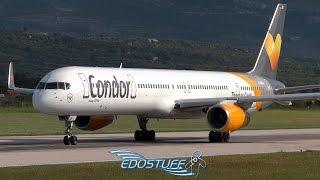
<point>17,101</point>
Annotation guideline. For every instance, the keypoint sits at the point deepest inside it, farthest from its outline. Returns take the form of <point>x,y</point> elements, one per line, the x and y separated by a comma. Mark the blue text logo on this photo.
<point>174,166</point>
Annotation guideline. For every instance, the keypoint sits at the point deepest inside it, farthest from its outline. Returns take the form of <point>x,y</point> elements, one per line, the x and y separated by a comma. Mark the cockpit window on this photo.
<point>40,85</point>
<point>68,86</point>
<point>61,85</point>
<point>54,85</point>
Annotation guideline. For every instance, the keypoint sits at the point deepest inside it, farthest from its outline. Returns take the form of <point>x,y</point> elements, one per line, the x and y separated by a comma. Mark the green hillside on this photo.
<point>35,54</point>
<point>237,22</point>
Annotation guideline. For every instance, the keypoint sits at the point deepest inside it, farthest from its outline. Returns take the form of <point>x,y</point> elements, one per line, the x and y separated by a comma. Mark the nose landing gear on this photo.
<point>69,138</point>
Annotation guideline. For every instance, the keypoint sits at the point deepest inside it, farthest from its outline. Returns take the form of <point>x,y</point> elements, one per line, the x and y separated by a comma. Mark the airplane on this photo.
<point>91,98</point>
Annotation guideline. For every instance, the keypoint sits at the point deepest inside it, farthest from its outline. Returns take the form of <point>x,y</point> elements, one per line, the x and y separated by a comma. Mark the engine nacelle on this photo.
<point>227,117</point>
<point>92,123</point>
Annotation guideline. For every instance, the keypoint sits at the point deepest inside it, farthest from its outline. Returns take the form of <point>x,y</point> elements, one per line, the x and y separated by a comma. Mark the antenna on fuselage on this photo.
<point>120,66</point>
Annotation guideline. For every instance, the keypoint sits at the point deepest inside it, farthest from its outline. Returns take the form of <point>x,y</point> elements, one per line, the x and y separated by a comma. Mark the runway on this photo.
<point>37,150</point>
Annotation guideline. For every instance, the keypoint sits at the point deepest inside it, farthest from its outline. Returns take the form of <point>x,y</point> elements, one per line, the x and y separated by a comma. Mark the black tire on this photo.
<point>152,135</point>
<point>74,140</point>
<point>215,137</point>
<point>227,137</point>
<point>137,135</point>
<point>211,136</point>
<point>224,137</point>
<point>66,140</point>
<point>145,135</point>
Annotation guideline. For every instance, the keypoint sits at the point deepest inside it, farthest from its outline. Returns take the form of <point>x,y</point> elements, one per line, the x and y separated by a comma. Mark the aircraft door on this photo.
<point>85,84</point>
<point>133,87</point>
<point>188,87</point>
<point>237,89</point>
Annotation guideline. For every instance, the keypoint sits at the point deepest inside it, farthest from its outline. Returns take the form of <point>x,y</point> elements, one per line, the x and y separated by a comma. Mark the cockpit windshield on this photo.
<point>54,85</point>
<point>41,85</point>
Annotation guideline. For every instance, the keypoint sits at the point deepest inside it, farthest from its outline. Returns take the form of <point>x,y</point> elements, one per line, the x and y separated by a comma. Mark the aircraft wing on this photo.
<point>206,102</point>
<point>11,83</point>
<point>296,88</point>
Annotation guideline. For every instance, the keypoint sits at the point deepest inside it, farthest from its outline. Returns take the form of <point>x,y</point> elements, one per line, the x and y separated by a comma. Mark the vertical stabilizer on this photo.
<point>11,77</point>
<point>268,59</point>
<point>11,83</point>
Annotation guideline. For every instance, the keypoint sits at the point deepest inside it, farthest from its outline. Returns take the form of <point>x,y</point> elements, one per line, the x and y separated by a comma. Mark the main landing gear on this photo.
<point>144,134</point>
<point>69,138</point>
<point>215,136</point>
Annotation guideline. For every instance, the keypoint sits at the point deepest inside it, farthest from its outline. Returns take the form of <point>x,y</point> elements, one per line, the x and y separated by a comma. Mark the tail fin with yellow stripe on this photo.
<point>268,59</point>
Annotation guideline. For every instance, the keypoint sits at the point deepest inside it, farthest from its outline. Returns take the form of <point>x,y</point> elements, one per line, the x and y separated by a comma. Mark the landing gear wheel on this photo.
<point>225,137</point>
<point>144,135</point>
<point>66,140</point>
<point>137,135</point>
<point>152,135</point>
<point>215,137</point>
<point>73,140</point>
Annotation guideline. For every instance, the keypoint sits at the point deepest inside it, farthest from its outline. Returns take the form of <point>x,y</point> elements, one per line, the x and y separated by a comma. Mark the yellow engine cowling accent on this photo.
<point>227,117</point>
<point>92,123</point>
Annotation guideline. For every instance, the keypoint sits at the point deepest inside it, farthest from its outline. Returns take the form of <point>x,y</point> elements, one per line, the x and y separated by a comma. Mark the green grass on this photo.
<point>28,122</point>
<point>298,165</point>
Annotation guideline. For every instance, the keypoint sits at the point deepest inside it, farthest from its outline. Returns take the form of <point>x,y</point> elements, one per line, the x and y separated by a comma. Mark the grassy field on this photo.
<point>298,165</point>
<point>29,122</point>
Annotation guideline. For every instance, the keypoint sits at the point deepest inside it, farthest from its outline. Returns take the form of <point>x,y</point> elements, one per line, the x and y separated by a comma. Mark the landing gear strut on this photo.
<point>144,134</point>
<point>69,138</point>
<point>215,136</point>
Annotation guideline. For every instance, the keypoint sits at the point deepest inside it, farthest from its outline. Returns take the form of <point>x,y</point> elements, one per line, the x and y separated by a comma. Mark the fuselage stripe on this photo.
<point>254,85</point>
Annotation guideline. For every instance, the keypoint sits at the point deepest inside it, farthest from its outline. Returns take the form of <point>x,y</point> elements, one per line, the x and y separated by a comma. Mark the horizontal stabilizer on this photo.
<point>296,88</point>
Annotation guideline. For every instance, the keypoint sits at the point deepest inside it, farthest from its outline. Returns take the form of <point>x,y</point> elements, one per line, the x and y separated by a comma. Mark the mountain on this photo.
<point>235,22</point>
<point>35,54</point>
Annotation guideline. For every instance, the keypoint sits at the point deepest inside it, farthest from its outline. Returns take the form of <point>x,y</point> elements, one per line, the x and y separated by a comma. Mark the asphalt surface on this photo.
<point>38,150</point>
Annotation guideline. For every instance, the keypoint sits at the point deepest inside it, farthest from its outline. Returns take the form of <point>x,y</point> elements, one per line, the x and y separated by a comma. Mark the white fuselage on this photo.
<point>145,92</point>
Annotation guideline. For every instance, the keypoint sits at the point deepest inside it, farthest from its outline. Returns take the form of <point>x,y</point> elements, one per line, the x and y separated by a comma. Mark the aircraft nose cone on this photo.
<point>36,100</point>
<point>40,101</point>
<point>48,102</point>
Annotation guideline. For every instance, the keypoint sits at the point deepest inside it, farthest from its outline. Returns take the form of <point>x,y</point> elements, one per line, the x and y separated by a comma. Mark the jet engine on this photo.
<point>92,123</point>
<point>227,117</point>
